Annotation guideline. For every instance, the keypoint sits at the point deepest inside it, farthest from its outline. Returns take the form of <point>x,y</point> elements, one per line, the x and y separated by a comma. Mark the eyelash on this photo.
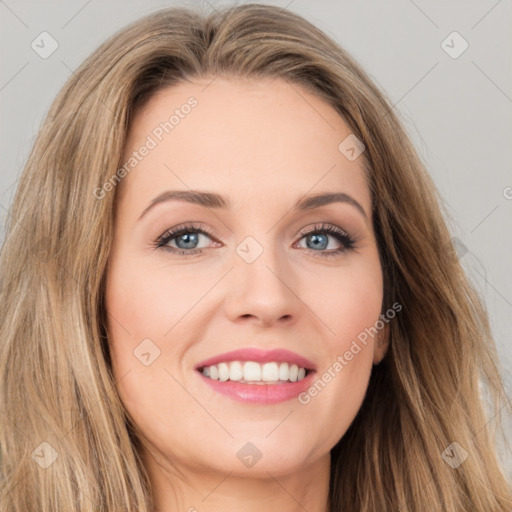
<point>347,241</point>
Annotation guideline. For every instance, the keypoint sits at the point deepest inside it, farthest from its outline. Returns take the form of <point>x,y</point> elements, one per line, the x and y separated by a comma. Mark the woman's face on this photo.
<point>258,279</point>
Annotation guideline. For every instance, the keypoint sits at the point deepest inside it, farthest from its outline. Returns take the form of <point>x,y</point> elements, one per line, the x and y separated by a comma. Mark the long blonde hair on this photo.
<point>67,443</point>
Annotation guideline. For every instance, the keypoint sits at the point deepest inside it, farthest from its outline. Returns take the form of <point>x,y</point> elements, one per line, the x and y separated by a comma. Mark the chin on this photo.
<point>257,456</point>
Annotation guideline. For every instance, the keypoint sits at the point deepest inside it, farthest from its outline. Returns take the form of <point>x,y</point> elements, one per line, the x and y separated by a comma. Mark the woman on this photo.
<point>228,283</point>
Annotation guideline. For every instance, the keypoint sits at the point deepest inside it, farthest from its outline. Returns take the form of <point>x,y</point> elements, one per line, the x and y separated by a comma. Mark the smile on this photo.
<point>257,376</point>
<point>252,372</point>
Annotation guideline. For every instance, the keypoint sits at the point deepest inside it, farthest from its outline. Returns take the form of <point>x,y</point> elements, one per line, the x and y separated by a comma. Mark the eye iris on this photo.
<point>187,238</point>
<point>317,242</point>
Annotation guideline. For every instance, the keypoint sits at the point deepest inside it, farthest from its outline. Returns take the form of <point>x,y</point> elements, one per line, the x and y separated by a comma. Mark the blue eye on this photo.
<point>186,237</point>
<point>319,239</point>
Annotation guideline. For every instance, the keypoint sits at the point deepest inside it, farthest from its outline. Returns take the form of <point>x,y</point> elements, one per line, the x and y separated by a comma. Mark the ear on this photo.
<point>381,344</point>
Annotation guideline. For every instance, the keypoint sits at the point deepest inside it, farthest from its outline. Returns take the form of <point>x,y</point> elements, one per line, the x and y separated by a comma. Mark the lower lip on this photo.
<point>270,393</point>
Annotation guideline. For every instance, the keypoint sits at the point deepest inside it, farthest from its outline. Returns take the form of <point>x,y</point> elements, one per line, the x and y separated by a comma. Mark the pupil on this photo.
<point>187,238</point>
<point>318,243</point>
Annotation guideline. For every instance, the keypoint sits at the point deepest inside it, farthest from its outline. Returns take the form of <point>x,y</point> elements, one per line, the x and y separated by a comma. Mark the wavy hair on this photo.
<point>66,441</point>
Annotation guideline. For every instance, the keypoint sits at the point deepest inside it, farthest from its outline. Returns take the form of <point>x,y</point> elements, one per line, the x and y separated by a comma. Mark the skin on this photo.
<point>263,145</point>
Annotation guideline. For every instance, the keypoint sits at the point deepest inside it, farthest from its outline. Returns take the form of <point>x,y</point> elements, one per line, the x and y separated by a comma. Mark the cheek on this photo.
<point>140,311</point>
<point>134,311</point>
<point>351,314</point>
<point>141,302</point>
<point>351,304</point>
<point>149,299</point>
<point>151,302</point>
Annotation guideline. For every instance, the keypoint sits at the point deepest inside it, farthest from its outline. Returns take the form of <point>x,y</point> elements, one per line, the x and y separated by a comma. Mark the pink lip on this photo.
<point>269,393</point>
<point>259,356</point>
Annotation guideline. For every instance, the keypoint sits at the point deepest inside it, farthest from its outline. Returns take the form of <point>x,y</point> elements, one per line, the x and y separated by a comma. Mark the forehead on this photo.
<point>245,138</point>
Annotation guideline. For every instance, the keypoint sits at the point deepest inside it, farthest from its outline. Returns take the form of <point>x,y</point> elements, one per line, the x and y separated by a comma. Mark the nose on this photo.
<point>263,291</point>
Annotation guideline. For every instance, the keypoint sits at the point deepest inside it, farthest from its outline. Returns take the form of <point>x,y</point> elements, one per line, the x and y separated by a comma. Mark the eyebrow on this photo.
<point>213,200</point>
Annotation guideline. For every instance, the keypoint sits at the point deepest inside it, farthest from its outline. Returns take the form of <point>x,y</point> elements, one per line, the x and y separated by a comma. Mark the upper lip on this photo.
<point>260,356</point>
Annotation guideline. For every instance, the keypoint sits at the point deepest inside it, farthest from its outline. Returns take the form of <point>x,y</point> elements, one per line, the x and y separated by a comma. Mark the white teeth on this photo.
<point>223,372</point>
<point>236,371</point>
<point>270,372</point>
<point>283,371</point>
<point>252,372</point>
<point>214,373</point>
<point>293,372</point>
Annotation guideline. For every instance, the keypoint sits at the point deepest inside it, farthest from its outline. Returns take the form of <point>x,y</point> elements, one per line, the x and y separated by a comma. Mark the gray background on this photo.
<point>457,110</point>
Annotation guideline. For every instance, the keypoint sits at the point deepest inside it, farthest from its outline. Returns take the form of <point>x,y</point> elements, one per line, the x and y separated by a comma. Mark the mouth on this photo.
<point>257,376</point>
<point>255,373</point>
